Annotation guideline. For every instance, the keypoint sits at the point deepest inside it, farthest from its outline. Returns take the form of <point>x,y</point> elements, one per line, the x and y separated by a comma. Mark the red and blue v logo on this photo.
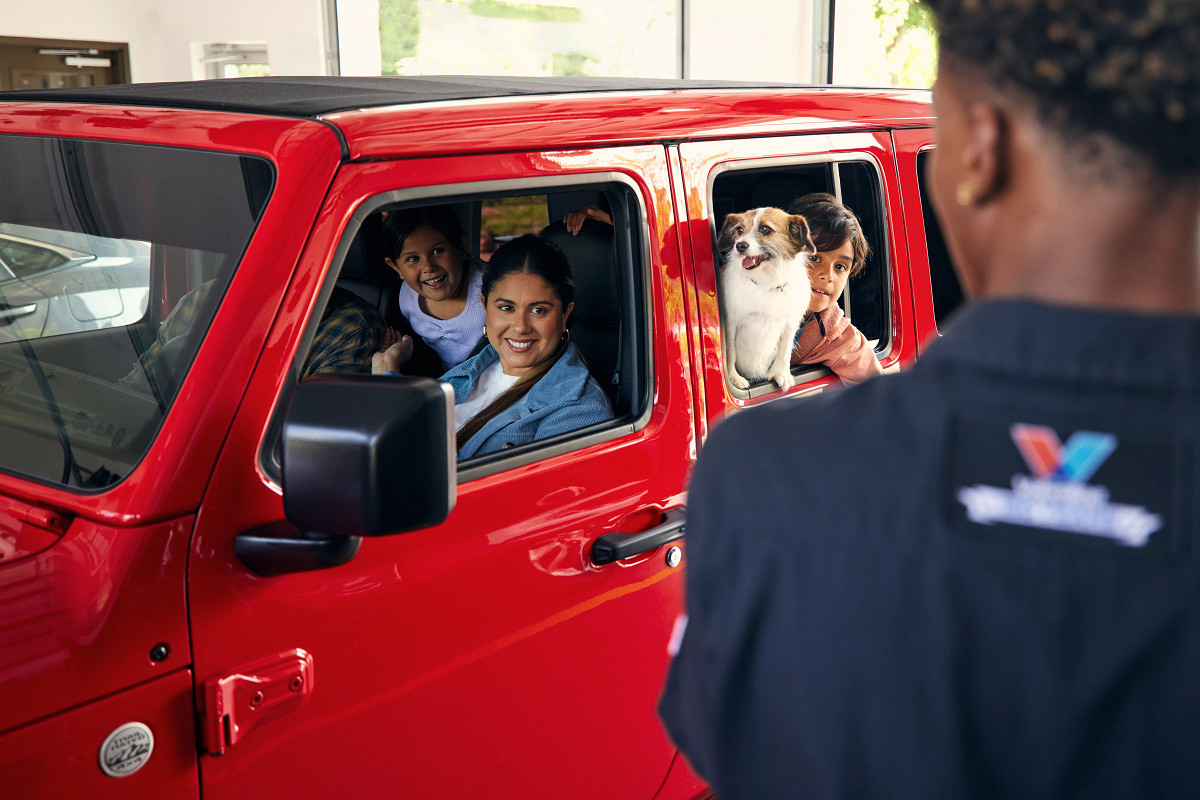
<point>1048,458</point>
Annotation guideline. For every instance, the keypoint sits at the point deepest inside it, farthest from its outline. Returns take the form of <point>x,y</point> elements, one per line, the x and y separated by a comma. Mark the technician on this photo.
<point>981,578</point>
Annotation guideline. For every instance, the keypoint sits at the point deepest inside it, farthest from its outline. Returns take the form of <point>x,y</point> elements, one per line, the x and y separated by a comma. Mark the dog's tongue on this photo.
<point>749,262</point>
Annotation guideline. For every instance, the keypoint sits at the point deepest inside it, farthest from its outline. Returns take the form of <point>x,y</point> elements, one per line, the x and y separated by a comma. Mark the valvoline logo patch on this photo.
<point>1056,492</point>
<point>1047,458</point>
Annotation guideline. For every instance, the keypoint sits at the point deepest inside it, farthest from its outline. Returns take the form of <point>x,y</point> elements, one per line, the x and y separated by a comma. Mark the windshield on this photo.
<point>113,258</point>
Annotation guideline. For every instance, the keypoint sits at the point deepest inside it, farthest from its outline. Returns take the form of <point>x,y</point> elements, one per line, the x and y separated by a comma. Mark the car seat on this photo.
<point>365,274</point>
<point>596,321</point>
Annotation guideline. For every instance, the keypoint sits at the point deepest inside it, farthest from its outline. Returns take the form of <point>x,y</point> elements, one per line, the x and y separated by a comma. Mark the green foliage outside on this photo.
<point>399,29</point>
<point>253,70</point>
<point>513,216</point>
<point>574,64</point>
<point>906,27</point>
<point>530,12</point>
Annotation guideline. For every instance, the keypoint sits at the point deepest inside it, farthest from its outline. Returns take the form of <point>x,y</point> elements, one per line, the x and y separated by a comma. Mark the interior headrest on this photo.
<point>593,263</point>
<point>364,259</point>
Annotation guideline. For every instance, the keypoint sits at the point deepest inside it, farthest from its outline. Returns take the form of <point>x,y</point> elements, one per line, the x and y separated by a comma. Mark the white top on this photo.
<point>452,339</point>
<point>491,384</point>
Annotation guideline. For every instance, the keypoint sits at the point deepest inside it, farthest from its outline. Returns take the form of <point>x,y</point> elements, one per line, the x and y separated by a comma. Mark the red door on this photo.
<point>487,656</point>
<point>913,146</point>
<point>796,164</point>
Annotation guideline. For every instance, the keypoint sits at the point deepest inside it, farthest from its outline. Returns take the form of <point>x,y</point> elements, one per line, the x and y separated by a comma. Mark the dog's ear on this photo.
<point>798,229</point>
<point>726,237</point>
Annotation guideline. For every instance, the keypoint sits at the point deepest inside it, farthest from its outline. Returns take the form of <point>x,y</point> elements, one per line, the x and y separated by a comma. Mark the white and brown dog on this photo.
<point>764,292</point>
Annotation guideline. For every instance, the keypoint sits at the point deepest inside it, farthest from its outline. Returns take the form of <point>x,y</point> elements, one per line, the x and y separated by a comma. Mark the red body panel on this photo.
<point>483,657</point>
<point>909,144</point>
<point>614,118</point>
<point>59,757</point>
<point>78,619</point>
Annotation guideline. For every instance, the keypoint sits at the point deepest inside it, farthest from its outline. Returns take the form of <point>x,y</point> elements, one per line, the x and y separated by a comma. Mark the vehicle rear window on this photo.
<point>947,291</point>
<point>113,258</point>
<point>856,183</point>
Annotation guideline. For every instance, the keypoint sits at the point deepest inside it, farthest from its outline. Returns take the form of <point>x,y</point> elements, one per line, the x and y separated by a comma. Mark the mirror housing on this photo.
<point>369,456</point>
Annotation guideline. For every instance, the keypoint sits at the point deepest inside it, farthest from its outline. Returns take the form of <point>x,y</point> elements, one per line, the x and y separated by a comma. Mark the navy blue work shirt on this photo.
<point>977,578</point>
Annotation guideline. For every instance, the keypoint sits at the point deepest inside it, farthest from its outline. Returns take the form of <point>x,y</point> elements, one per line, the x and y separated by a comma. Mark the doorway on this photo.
<point>61,64</point>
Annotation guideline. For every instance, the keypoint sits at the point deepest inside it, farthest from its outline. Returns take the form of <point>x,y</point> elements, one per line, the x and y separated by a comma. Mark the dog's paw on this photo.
<point>737,381</point>
<point>784,379</point>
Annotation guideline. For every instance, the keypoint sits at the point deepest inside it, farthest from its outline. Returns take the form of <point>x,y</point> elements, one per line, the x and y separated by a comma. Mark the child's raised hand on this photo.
<point>575,219</point>
<point>397,350</point>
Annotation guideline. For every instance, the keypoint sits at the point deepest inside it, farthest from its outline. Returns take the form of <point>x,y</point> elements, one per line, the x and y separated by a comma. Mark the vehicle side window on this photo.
<point>857,184</point>
<point>947,292</point>
<point>95,259</point>
<point>608,327</point>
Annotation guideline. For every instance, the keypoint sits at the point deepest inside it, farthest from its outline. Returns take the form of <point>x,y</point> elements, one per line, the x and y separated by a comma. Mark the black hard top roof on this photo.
<point>313,96</point>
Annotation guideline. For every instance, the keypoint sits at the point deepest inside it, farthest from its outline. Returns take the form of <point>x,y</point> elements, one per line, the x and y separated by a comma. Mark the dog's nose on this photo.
<point>741,246</point>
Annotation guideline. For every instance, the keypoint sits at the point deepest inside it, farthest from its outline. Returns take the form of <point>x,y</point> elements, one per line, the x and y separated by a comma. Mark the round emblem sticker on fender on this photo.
<point>126,750</point>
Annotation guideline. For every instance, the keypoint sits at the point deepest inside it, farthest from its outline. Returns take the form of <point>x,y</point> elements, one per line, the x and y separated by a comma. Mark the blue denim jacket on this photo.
<point>567,397</point>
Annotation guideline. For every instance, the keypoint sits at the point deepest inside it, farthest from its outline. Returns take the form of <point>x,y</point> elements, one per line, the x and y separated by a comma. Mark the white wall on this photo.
<point>160,35</point>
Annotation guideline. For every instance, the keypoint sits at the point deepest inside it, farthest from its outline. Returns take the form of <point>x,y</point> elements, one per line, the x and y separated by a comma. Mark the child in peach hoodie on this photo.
<point>826,336</point>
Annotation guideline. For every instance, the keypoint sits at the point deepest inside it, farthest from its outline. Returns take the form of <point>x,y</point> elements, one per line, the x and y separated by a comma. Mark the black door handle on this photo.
<point>277,549</point>
<point>617,546</point>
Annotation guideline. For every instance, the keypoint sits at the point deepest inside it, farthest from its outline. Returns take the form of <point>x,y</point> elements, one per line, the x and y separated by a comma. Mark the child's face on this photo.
<point>828,271</point>
<point>430,264</point>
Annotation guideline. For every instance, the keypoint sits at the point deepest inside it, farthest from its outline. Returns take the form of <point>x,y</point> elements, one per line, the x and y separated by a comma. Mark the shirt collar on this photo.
<point>1062,342</point>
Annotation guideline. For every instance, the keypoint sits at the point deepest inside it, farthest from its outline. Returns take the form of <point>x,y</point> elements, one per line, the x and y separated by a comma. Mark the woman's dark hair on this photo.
<point>1124,69</point>
<point>398,225</point>
<point>831,225</point>
<point>535,256</point>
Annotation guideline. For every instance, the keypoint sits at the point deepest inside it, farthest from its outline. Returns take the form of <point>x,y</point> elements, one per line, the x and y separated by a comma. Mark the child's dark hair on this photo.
<point>831,225</point>
<point>398,225</point>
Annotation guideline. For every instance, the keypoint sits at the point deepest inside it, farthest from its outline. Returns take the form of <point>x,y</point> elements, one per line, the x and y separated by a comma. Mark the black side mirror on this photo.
<point>369,456</point>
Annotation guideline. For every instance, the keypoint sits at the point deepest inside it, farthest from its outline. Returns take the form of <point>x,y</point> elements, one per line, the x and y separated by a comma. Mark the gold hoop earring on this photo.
<point>566,337</point>
<point>964,195</point>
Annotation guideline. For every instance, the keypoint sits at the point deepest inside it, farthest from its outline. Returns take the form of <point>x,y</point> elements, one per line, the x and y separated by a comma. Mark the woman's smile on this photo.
<point>519,345</point>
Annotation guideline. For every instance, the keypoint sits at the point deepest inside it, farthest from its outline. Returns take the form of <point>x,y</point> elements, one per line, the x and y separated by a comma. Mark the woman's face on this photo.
<point>828,271</point>
<point>525,321</point>
<point>430,264</point>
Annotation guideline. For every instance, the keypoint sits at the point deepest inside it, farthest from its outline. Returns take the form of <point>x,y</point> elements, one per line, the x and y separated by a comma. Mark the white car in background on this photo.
<point>55,282</point>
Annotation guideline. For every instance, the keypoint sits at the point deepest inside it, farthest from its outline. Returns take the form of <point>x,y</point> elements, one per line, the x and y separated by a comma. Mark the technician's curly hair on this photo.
<point>1125,69</point>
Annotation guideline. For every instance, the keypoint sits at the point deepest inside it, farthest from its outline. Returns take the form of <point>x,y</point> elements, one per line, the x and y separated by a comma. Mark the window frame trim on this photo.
<point>641,347</point>
<point>809,372</point>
